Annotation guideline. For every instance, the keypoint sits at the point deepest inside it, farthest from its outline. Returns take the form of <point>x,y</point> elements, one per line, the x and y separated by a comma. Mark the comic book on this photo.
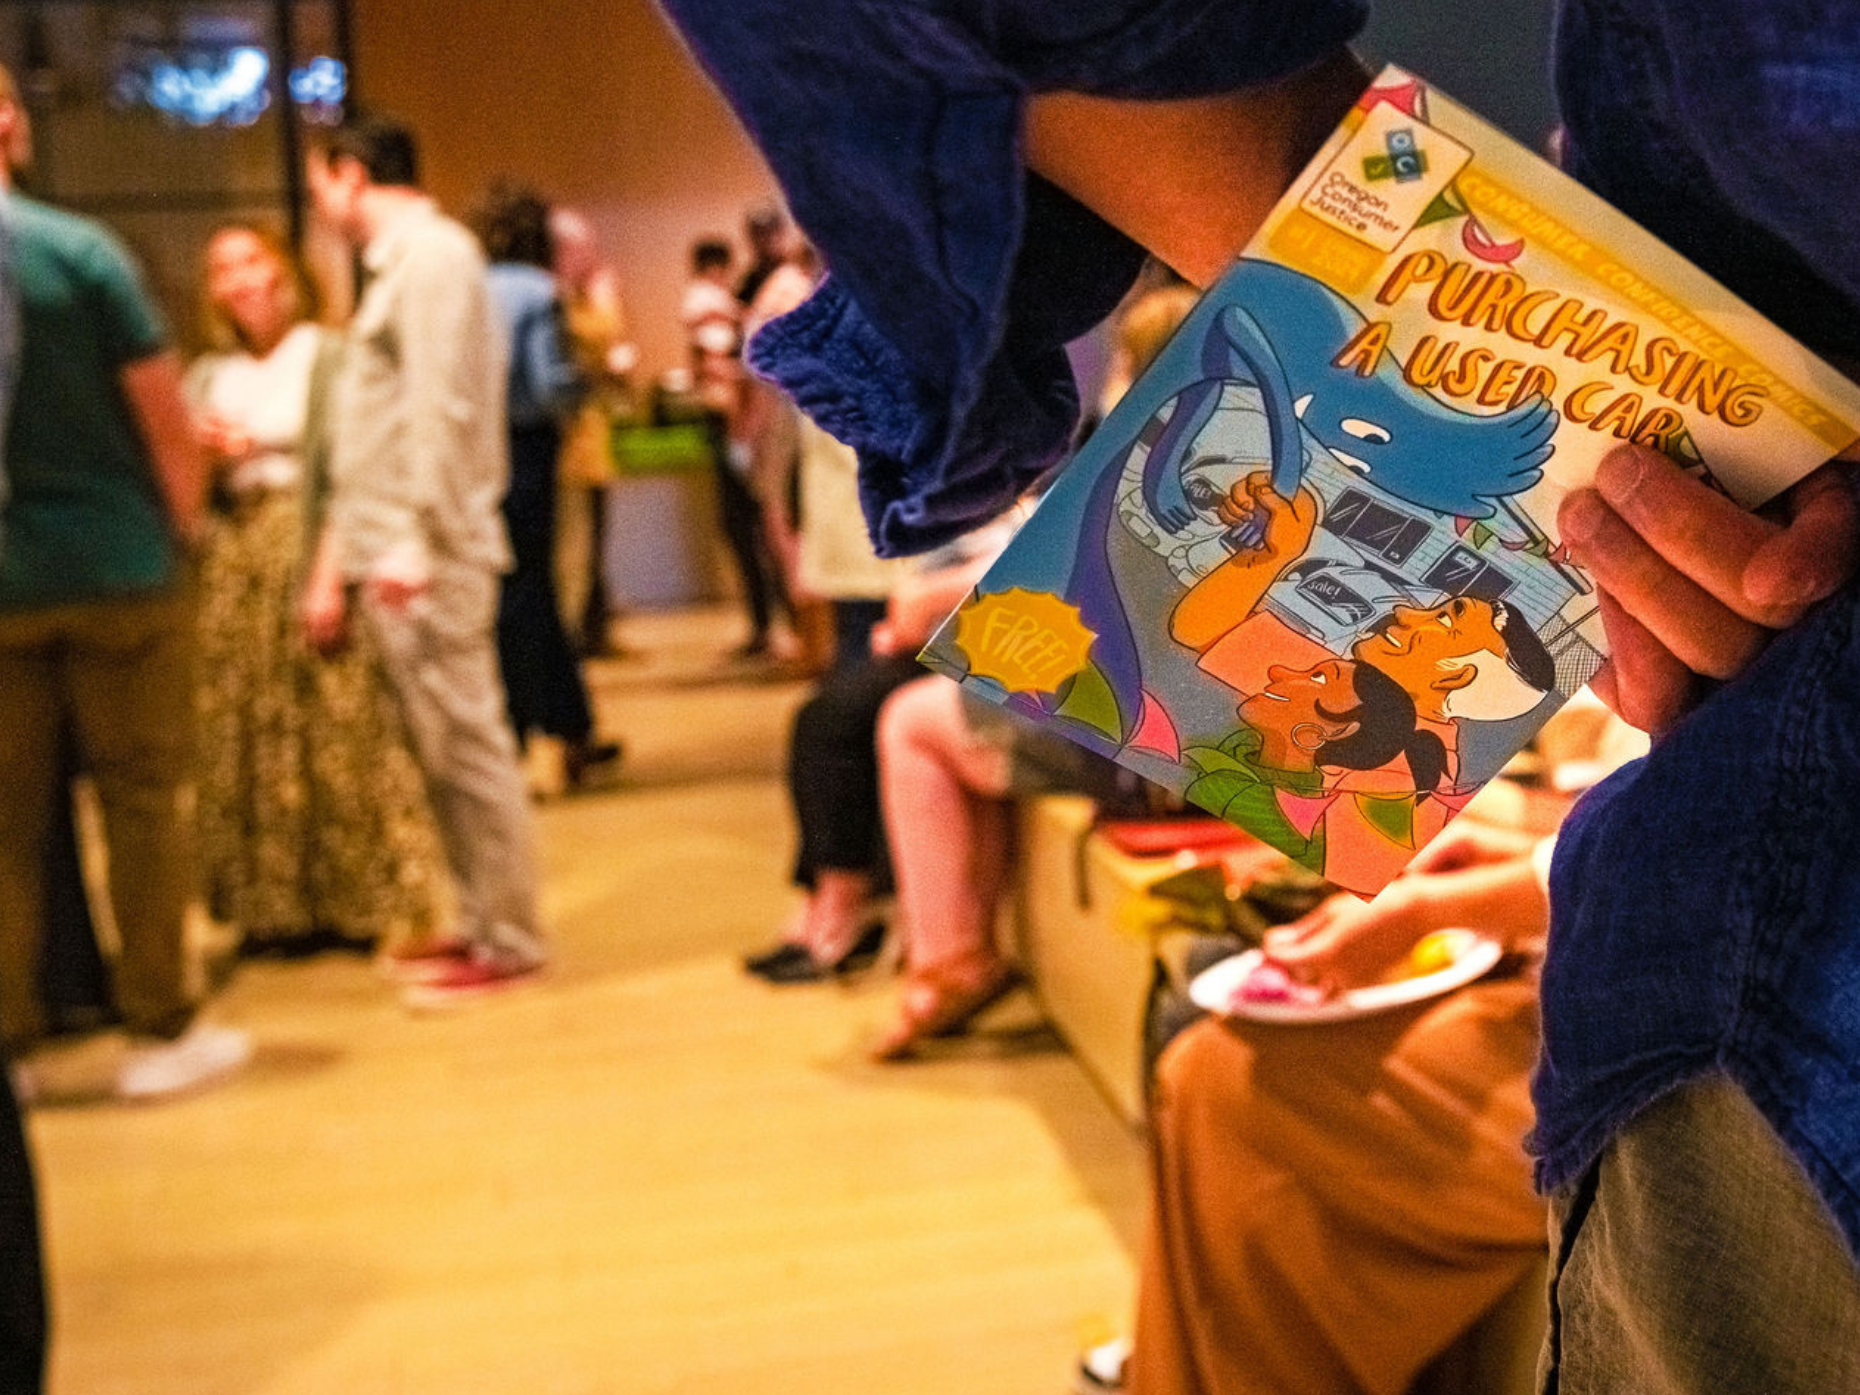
<point>1307,573</point>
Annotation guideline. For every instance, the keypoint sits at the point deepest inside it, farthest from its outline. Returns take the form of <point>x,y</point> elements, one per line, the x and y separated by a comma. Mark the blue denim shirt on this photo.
<point>1707,899</point>
<point>545,382</point>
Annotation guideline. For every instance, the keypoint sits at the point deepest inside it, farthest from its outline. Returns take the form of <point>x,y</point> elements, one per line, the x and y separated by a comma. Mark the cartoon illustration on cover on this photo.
<point>1304,573</point>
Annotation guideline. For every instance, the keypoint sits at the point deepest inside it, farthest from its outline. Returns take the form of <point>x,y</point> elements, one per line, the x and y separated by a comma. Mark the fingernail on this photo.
<point>1621,474</point>
<point>1580,517</point>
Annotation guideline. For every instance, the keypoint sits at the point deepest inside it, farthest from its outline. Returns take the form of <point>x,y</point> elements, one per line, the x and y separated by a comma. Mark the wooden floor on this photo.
<point>648,1174</point>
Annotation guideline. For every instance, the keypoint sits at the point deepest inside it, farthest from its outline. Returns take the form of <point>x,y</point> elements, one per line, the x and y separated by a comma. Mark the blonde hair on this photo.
<point>217,327</point>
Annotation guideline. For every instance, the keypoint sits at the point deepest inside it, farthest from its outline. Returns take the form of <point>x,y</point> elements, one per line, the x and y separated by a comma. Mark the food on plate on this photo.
<point>1431,954</point>
<point>1269,983</point>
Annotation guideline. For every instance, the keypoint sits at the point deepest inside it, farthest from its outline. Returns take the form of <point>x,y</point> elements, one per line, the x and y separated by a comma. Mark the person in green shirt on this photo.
<point>103,489</point>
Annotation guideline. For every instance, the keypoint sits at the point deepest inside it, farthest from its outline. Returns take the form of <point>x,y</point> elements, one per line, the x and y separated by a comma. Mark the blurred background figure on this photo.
<point>594,313</point>
<point>418,466</point>
<point>542,674</point>
<point>767,230</point>
<point>313,829</point>
<point>775,434</point>
<point>713,323</point>
<point>103,492</point>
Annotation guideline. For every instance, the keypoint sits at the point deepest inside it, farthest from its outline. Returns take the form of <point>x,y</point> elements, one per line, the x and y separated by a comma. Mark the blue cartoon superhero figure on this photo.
<point>1402,439</point>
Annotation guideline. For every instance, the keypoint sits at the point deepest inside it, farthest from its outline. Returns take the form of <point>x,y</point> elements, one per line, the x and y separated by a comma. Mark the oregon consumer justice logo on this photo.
<point>1404,163</point>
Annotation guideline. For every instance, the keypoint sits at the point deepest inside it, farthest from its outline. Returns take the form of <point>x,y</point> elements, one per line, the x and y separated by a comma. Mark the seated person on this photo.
<point>833,773</point>
<point>1334,1205</point>
<point>949,764</point>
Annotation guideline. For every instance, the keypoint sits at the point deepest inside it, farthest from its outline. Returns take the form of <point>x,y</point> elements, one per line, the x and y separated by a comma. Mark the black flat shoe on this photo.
<point>779,960</point>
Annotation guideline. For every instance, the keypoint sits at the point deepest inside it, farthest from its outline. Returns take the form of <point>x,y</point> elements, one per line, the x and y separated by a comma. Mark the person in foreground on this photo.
<point>419,468</point>
<point>1699,1098</point>
<point>103,481</point>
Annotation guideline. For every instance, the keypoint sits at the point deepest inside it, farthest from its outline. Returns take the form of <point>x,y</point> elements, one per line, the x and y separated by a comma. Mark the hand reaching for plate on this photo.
<point>1480,879</point>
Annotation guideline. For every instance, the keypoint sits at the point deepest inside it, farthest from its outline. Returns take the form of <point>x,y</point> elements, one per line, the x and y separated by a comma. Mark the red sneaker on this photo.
<point>422,961</point>
<point>467,980</point>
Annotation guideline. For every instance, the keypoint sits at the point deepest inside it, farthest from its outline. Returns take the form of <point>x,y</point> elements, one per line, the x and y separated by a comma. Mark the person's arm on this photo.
<point>921,602</point>
<point>444,328</point>
<point>152,387</point>
<point>1484,879</point>
<point>1191,180</point>
<point>323,607</point>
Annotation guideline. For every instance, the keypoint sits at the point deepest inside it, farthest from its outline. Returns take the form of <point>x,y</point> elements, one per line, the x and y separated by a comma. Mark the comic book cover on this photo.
<point>1306,573</point>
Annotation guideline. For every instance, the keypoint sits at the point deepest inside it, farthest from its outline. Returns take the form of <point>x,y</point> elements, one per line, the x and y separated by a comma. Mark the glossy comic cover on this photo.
<point>1306,573</point>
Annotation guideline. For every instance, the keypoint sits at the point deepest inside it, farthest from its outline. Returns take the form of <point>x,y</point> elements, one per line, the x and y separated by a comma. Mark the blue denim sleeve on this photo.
<point>934,348</point>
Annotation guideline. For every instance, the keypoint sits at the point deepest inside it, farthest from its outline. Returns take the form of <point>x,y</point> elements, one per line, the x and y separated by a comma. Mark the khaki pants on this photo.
<point>118,675</point>
<point>441,662</point>
<point>1695,1256</point>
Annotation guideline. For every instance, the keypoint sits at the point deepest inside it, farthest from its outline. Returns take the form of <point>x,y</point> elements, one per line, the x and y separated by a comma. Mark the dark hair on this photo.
<point>1524,651</point>
<point>708,253</point>
<point>1385,719</point>
<point>385,146</point>
<point>512,221</point>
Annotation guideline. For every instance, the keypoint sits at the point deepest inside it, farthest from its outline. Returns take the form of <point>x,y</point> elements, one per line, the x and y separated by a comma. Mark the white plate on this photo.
<point>1214,988</point>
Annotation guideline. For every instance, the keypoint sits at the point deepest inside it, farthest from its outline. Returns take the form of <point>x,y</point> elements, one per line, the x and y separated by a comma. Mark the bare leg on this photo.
<point>949,820</point>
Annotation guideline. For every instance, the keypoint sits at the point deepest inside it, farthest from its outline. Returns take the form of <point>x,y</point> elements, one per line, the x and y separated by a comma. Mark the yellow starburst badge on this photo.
<point>1027,641</point>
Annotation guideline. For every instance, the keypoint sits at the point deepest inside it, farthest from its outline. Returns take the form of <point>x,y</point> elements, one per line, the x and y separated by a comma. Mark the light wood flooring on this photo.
<point>647,1174</point>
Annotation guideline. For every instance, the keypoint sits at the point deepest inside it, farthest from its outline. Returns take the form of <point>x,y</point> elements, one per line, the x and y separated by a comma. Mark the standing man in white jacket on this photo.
<point>419,469</point>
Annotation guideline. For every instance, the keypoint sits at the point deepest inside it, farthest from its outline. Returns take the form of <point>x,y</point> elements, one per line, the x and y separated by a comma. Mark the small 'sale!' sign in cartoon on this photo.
<point>1306,573</point>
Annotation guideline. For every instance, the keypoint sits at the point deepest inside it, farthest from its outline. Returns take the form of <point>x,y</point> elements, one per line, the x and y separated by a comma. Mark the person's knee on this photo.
<point>913,716</point>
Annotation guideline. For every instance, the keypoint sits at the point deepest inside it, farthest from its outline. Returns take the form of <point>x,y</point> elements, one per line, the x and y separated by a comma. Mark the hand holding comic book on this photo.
<point>1691,586</point>
<point>1449,433</point>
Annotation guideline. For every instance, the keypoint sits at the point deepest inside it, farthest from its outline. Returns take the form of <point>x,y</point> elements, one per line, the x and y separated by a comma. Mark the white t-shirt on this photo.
<point>269,400</point>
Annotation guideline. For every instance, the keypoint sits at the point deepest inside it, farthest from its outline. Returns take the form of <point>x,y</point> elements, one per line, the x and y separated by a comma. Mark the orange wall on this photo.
<point>593,101</point>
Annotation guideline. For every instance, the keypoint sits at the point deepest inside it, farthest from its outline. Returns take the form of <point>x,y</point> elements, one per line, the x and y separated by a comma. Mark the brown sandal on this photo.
<point>941,999</point>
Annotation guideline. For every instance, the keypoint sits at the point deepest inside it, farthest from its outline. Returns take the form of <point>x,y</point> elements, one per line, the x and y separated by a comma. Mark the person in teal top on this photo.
<point>103,488</point>
<point>83,517</point>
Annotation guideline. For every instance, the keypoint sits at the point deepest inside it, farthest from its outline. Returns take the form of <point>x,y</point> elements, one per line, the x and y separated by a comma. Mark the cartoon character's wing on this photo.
<point>1484,458</point>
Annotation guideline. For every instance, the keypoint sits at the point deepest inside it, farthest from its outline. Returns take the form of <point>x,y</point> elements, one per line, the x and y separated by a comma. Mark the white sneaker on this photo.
<point>1103,1368</point>
<point>200,1054</point>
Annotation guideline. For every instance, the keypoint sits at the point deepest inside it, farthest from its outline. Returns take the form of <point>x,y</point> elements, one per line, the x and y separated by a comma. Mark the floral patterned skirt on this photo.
<point>312,819</point>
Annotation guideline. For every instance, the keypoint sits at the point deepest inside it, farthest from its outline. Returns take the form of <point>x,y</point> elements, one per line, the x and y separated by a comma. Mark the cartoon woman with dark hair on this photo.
<point>1282,774</point>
